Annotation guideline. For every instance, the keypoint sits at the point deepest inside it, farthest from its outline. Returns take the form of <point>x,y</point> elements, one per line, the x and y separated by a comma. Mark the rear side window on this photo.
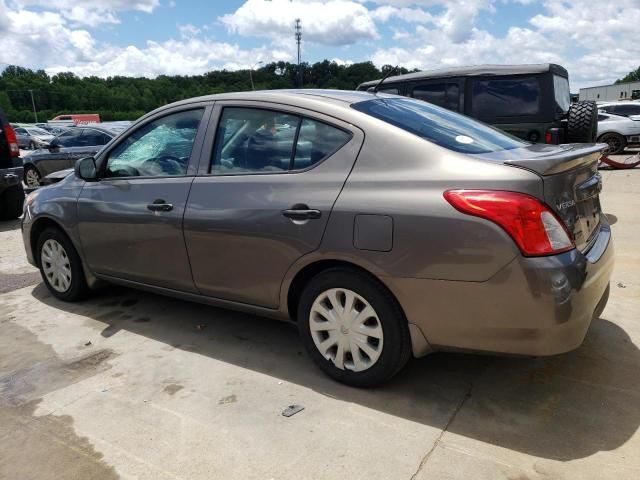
<point>509,97</point>
<point>562,93</point>
<point>251,140</point>
<point>440,126</point>
<point>442,94</point>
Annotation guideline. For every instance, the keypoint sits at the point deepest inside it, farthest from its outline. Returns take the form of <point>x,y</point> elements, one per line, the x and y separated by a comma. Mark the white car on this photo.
<point>619,125</point>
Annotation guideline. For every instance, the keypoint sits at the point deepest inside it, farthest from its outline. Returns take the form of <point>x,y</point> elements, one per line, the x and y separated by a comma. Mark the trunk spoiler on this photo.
<point>559,160</point>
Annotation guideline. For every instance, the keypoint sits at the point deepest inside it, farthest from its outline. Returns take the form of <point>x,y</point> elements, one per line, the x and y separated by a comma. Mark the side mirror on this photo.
<point>85,169</point>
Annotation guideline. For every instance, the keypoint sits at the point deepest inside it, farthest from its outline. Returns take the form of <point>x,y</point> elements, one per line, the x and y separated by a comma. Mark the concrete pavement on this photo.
<point>134,385</point>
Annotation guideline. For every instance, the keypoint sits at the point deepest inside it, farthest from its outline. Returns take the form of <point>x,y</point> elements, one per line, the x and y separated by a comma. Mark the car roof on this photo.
<point>104,129</point>
<point>475,70</point>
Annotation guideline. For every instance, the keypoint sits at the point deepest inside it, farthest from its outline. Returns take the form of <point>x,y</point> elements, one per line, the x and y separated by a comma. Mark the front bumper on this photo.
<point>534,306</point>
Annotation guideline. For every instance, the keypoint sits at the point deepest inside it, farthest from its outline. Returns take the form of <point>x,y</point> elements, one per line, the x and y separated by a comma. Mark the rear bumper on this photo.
<point>534,306</point>
<point>10,176</point>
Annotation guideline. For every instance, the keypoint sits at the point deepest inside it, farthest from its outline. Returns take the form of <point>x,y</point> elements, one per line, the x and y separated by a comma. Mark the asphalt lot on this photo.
<point>134,385</point>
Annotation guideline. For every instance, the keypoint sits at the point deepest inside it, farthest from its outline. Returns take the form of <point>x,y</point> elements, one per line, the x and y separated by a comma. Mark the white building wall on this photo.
<point>610,93</point>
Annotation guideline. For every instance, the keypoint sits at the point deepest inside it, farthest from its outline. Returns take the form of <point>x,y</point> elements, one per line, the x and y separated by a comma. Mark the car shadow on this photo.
<point>8,225</point>
<point>565,407</point>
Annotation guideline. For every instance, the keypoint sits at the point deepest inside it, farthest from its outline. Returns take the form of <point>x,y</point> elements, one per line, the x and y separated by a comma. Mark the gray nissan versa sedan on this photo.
<point>383,226</point>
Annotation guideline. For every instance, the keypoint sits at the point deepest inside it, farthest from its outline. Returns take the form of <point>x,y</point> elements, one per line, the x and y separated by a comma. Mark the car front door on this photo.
<point>263,196</point>
<point>61,153</point>
<point>130,221</point>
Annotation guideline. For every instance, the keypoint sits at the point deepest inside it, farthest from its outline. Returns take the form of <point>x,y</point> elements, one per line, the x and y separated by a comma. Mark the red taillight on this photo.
<point>12,140</point>
<point>548,138</point>
<point>532,225</point>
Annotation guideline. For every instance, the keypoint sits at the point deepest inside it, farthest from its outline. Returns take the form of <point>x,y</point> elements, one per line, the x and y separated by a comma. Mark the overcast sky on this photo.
<point>597,41</point>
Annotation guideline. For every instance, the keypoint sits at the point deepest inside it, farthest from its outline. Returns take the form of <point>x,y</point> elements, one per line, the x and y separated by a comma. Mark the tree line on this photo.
<point>127,98</point>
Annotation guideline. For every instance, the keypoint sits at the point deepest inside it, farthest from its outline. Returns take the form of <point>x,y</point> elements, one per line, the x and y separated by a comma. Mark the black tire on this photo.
<point>616,143</point>
<point>32,146</point>
<point>78,288</point>
<point>11,202</point>
<point>582,122</point>
<point>396,347</point>
<point>31,172</point>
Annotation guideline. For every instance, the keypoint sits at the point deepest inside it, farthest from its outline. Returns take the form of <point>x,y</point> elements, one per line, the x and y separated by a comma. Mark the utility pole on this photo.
<point>251,72</point>
<point>298,40</point>
<point>33,104</point>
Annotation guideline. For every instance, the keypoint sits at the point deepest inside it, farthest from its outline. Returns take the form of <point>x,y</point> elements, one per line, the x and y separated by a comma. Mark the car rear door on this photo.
<point>130,221</point>
<point>263,196</point>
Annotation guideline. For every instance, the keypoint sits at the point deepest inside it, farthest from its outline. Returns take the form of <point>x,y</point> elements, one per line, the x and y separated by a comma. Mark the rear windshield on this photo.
<point>438,125</point>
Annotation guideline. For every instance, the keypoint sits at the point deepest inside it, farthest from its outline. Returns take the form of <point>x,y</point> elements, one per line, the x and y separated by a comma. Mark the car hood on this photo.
<point>55,177</point>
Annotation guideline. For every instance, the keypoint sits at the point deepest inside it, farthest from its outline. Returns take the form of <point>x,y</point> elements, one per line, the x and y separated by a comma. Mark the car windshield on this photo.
<point>438,125</point>
<point>37,131</point>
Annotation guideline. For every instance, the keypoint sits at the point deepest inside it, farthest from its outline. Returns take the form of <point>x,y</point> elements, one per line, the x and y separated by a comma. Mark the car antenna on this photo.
<point>374,89</point>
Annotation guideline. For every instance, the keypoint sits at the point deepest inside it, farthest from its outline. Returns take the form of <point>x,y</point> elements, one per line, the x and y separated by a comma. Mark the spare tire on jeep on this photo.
<point>582,122</point>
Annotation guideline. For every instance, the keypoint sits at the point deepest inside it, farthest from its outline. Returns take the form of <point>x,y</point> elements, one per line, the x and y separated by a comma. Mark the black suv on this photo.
<point>529,101</point>
<point>11,193</point>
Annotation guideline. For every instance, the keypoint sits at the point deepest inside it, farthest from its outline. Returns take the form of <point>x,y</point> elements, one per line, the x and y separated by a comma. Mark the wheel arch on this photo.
<point>419,344</point>
<point>39,226</point>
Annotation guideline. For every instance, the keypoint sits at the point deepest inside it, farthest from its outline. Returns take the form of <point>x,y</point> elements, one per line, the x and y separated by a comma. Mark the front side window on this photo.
<point>92,137</point>
<point>158,149</point>
<point>251,140</point>
<point>70,138</point>
<point>627,110</point>
<point>20,131</point>
<point>508,97</point>
<point>442,94</point>
<point>443,127</point>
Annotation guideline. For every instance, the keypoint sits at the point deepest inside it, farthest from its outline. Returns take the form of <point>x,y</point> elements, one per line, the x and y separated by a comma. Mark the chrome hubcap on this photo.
<point>31,178</point>
<point>56,266</point>
<point>346,329</point>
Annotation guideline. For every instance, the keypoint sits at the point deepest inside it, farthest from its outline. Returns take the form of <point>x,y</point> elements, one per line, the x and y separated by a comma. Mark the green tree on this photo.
<point>633,76</point>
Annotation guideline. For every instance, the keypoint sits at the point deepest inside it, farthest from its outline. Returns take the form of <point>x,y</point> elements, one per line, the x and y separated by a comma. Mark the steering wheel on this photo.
<point>166,164</point>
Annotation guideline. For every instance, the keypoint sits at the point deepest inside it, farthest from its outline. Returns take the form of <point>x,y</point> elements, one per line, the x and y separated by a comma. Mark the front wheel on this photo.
<point>60,266</point>
<point>32,177</point>
<point>353,328</point>
<point>32,145</point>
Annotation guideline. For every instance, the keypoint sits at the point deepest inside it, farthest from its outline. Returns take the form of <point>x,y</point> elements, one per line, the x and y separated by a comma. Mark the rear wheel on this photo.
<point>616,143</point>
<point>11,201</point>
<point>353,328</point>
<point>582,122</point>
<point>32,177</point>
<point>60,266</point>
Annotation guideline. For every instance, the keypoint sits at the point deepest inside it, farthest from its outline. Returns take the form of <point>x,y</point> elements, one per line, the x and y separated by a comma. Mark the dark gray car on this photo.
<point>383,226</point>
<point>64,150</point>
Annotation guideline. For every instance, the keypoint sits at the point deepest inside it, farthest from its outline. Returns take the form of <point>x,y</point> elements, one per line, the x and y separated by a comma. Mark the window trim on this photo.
<point>102,157</point>
<point>301,114</point>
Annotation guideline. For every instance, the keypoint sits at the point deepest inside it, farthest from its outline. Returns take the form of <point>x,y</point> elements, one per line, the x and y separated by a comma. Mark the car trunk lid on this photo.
<point>571,183</point>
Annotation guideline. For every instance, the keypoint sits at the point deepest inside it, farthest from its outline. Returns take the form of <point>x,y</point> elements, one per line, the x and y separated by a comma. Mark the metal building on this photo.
<point>612,93</point>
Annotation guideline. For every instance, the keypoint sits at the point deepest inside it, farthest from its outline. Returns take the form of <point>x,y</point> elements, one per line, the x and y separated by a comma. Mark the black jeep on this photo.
<point>11,193</point>
<point>529,101</point>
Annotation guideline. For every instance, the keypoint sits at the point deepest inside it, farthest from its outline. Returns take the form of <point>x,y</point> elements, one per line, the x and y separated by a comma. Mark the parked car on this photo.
<point>531,102</point>
<point>11,193</point>
<point>33,137</point>
<point>383,226</point>
<point>619,125</point>
<point>63,151</point>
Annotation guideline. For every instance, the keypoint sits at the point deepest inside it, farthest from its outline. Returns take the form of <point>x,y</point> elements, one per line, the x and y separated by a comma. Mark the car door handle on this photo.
<point>160,206</point>
<point>302,212</point>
